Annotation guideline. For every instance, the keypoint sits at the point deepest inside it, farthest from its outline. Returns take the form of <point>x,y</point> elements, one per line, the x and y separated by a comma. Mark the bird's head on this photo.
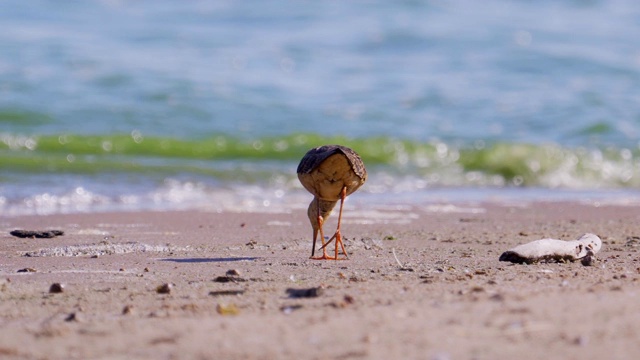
<point>319,207</point>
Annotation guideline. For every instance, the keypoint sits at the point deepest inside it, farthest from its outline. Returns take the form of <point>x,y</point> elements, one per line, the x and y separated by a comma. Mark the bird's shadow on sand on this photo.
<point>209,260</point>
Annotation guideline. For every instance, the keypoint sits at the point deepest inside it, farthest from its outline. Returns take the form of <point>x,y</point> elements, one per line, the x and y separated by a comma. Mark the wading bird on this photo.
<point>330,173</point>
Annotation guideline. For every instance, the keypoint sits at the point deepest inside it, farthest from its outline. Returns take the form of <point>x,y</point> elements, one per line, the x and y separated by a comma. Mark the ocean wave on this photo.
<point>392,161</point>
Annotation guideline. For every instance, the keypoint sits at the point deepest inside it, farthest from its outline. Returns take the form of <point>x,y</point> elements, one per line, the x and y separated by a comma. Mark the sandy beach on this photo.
<point>170,149</point>
<point>241,286</point>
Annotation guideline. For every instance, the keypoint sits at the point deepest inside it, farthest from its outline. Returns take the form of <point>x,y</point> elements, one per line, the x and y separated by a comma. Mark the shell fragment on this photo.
<point>552,250</point>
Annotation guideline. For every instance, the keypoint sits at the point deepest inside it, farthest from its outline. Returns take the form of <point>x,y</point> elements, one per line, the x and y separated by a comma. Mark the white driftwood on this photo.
<point>552,250</point>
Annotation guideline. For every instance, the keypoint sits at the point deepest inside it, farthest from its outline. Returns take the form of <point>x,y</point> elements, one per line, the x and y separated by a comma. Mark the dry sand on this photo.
<point>452,299</point>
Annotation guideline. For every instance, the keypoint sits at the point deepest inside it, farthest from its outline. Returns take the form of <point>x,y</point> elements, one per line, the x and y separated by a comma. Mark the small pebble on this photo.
<point>233,272</point>
<point>589,259</point>
<point>73,317</point>
<point>305,293</point>
<point>290,308</point>
<point>228,309</point>
<point>128,309</point>
<point>56,288</point>
<point>164,288</point>
<point>226,279</point>
<point>4,284</point>
<point>581,341</point>
<point>226,292</point>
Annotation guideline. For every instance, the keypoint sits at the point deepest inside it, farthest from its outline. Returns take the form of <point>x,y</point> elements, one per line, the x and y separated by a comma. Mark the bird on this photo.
<point>330,173</point>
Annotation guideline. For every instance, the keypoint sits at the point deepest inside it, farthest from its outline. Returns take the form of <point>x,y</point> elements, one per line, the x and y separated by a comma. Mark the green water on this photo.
<point>513,164</point>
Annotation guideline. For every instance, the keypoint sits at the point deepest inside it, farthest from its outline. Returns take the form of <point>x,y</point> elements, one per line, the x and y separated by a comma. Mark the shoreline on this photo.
<point>273,200</point>
<point>451,298</point>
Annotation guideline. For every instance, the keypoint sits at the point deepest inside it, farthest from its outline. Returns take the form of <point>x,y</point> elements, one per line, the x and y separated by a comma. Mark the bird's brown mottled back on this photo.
<point>314,157</point>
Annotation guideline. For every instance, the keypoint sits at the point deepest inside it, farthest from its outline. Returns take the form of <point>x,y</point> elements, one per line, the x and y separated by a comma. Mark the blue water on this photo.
<point>538,96</point>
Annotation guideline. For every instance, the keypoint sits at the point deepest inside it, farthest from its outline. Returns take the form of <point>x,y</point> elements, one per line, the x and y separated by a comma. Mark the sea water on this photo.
<point>129,105</point>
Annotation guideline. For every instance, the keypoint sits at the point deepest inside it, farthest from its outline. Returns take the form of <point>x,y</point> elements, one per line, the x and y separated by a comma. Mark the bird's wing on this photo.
<point>314,157</point>
<point>356,162</point>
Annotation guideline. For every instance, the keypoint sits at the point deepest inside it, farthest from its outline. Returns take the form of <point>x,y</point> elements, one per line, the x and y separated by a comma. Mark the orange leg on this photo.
<point>337,236</point>
<point>324,256</point>
<point>315,236</point>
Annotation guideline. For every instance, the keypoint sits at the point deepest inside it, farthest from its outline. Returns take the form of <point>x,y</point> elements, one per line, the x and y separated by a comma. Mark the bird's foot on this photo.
<point>323,257</point>
<point>338,238</point>
<point>327,257</point>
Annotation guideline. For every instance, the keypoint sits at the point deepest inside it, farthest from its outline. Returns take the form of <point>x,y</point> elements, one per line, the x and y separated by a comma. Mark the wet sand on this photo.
<point>242,286</point>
